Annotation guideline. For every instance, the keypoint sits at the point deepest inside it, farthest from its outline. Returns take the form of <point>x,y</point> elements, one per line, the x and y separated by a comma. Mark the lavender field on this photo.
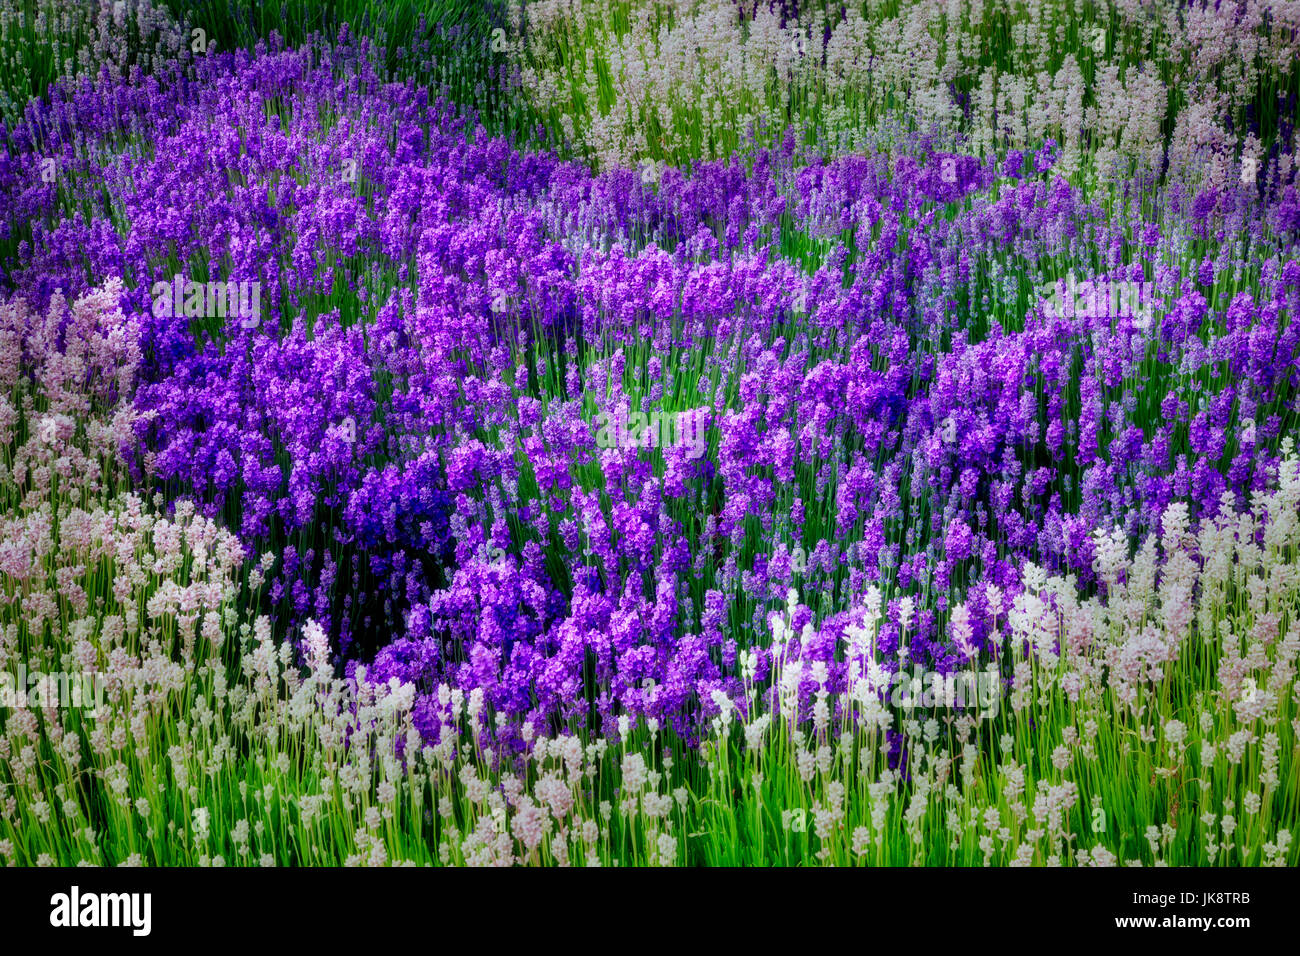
<point>647,433</point>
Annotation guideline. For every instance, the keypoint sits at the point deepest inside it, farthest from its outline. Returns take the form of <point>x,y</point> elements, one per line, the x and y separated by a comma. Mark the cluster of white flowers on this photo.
<point>712,68</point>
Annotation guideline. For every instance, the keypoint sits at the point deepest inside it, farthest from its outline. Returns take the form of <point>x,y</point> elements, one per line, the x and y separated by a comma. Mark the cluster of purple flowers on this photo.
<point>410,426</point>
